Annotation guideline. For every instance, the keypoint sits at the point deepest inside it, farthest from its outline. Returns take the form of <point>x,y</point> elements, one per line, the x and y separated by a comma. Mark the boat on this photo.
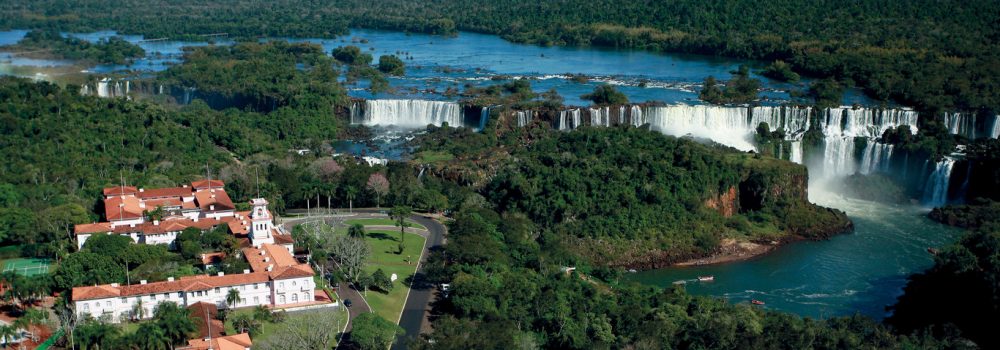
<point>756,302</point>
<point>706,278</point>
<point>681,282</point>
<point>933,251</point>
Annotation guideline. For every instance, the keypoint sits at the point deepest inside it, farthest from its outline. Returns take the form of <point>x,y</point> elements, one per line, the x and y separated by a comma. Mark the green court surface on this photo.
<point>27,267</point>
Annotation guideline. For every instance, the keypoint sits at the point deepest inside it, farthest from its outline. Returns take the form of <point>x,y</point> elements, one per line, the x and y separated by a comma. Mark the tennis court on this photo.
<point>27,267</point>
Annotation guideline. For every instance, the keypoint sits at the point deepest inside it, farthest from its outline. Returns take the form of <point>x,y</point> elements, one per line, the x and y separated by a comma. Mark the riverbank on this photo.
<point>731,250</point>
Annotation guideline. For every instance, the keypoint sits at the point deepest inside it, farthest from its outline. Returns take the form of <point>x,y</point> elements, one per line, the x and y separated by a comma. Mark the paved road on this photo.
<point>418,304</point>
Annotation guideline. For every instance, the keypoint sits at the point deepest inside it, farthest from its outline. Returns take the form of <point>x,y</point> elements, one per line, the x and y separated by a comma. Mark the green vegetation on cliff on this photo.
<point>630,196</point>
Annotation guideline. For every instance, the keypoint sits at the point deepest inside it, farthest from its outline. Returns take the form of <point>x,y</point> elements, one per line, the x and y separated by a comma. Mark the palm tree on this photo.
<point>399,214</point>
<point>351,192</point>
<point>138,312</point>
<point>149,336</point>
<point>7,334</point>
<point>30,319</point>
<point>244,323</point>
<point>175,322</point>
<point>356,231</point>
<point>232,298</point>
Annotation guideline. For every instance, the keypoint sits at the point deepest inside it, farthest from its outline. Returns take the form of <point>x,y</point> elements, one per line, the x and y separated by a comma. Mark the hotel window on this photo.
<point>217,290</point>
<point>180,294</point>
<point>281,285</point>
<point>256,300</point>
<point>243,301</point>
<point>295,298</point>
<point>166,295</point>
<point>281,299</point>
<point>86,307</point>
<point>294,283</point>
<point>108,303</point>
<point>124,300</point>
<point>256,286</point>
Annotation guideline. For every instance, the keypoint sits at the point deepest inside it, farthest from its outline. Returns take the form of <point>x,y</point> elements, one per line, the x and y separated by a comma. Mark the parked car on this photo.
<point>347,302</point>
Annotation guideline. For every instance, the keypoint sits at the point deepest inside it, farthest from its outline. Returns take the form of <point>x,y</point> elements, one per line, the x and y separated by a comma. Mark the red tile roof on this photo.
<point>203,184</point>
<point>120,190</point>
<point>282,239</point>
<point>165,192</point>
<point>92,228</point>
<point>277,256</point>
<point>122,208</point>
<point>190,283</point>
<point>211,258</point>
<point>219,198</point>
<point>232,342</point>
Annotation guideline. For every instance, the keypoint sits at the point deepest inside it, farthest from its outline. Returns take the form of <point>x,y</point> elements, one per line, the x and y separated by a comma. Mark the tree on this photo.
<point>392,65</point>
<point>315,329</point>
<point>710,90</point>
<point>380,185</point>
<point>8,333</point>
<point>351,55</point>
<point>245,323</point>
<point>372,332</point>
<point>357,231</point>
<point>350,254</point>
<point>174,321</point>
<point>98,334</point>
<point>399,214</point>
<point>606,94</point>
<point>350,192</point>
<point>381,281</point>
<point>151,336</point>
<point>232,298</point>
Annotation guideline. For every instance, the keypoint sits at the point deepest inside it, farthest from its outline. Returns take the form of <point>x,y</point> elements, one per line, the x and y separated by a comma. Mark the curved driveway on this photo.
<point>414,318</point>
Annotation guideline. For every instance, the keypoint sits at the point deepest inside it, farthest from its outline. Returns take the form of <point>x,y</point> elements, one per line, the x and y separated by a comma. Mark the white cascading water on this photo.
<point>875,158</point>
<point>484,116</point>
<point>795,155</point>
<point>936,190</point>
<point>995,131</point>
<point>408,113</point>
<point>637,116</point>
<point>524,117</point>
<point>725,125</point>
<point>569,119</point>
<point>841,125</point>
<point>961,124</point>
<point>601,116</point>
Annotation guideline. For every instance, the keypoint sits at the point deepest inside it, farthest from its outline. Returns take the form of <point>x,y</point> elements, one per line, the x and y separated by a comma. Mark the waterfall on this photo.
<point>875,158</point>
<point>995,131</point>
<point>637,118</point>
<point>794,120</point>
<point>102,88</point>
<point>524,117</point>
<point>569,119</point>
<point>838,156</point>
<point>961,124</point>
<point>484,116</point>
<point>866,122</point>
<point>725,125</point>
<point>408,113</point>
<point>796,152</point>
<point>936,189</point>
<point>601,116</point>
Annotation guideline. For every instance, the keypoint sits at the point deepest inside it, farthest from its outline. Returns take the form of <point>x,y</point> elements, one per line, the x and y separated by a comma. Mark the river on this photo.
<point>859,272</point>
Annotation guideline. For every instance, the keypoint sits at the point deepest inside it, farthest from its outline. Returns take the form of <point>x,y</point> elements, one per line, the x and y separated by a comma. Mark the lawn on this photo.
<point>381,222</point>
<point>432,157</point>
<point>384,245</point>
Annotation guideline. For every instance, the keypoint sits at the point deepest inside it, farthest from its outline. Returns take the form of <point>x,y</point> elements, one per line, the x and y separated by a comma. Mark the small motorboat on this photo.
<point>681,282</point>
<point>756,302</point>
<point>933,251</point>
<point>632,271</point>
<point>706,278</point>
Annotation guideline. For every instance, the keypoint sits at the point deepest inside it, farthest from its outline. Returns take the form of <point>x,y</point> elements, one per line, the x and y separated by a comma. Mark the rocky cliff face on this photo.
<point>727,203</point>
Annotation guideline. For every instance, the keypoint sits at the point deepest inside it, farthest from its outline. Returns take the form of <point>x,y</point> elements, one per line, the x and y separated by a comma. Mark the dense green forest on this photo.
<point>262,77</point>
<point>506,282</point>
<point>51,44</point>
<point>929,54</point>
